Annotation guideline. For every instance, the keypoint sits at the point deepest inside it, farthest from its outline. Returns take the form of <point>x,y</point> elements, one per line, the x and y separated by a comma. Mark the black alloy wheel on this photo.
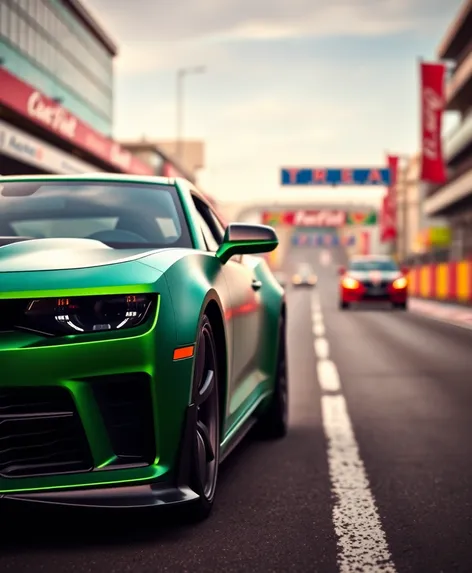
<point>206,446</point>
<point>273,423</point>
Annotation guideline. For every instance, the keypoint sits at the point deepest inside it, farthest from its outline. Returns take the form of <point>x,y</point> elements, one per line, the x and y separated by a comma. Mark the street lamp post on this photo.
<point>181,74</point>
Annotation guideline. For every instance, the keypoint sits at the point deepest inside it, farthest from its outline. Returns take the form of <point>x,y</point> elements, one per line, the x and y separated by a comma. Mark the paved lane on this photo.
<point>273,512</point>
<point>407,381</point>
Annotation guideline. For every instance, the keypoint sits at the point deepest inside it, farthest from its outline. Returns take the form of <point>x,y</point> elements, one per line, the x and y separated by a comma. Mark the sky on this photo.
<point>319,83</point>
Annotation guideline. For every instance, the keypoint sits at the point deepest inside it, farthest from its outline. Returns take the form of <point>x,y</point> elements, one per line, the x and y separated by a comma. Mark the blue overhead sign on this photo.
<point>343,176</point>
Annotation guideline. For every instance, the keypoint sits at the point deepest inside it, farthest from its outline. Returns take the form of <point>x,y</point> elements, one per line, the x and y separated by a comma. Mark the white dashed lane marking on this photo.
<point>321,348</point>
<point>318,329</point>
<point>362,544</point>
<point>328,377</point>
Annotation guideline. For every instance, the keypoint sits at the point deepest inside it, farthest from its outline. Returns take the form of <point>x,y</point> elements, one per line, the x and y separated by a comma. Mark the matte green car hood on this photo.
<point>62,254</point>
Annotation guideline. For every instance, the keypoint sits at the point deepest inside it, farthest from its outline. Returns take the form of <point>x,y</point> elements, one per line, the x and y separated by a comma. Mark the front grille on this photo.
<point>371,284</point>
<point>125,402</point>
<point>41,433</point>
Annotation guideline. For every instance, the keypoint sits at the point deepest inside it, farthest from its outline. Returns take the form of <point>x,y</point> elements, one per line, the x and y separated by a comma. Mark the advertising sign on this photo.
<point>435,237</point>
<point>27,149</point>
<point>318,218</point>
<point>362,219</point>
<point>322,240</point>
<point>432,106</point>
<point>328,176</point>
<point>30,103</point>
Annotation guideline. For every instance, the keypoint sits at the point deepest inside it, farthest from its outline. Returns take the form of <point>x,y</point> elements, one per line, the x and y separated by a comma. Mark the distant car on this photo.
<point>373,279</point>
<point>304,276</point>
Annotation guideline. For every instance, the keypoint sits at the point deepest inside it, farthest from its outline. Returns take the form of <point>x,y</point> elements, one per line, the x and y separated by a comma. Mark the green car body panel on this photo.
<point>185,283</point>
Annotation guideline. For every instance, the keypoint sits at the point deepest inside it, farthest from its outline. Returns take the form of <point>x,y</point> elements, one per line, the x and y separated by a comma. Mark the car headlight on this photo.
<point>400,283</point>
<point>297,279</point>
<point>350,283</point>
<point>86,314</point>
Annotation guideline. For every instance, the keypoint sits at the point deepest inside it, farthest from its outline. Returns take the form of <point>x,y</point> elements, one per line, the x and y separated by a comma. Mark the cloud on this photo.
<point>218,20</point>
<point>305,82</point>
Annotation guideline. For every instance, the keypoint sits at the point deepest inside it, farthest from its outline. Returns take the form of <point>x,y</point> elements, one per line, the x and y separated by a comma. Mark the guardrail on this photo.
<point>447,281</point>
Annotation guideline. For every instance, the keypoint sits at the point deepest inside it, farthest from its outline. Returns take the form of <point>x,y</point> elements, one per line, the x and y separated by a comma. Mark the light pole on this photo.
<point>181,74</point>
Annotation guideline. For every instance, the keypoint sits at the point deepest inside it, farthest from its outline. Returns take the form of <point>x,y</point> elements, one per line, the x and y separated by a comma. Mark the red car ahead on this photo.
<point>373,279</point>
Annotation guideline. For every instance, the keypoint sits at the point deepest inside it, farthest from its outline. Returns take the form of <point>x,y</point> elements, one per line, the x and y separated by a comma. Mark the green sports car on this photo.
<point>140,340</point>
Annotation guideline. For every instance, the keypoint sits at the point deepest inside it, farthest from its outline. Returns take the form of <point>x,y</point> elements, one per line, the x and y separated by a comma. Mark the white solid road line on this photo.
<point>361,540</point>
<point>362,544</point>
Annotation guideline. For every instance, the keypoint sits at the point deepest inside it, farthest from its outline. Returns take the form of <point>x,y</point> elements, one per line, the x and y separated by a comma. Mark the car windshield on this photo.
<point>373,265</point>
<point>121,215</point>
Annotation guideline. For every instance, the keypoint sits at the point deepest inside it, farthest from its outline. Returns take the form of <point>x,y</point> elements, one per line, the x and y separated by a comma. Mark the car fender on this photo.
<point>274,304</point>
<point>193,281</point>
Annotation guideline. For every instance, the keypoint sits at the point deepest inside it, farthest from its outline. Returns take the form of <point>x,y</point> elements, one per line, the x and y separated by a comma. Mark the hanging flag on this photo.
<point>388,212</point>
<point>365,243</point>
<point>432,106</point>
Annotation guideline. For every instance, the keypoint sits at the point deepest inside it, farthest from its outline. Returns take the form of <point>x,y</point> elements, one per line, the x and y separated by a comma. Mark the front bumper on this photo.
<point>394,296</point>
<point>172,491</point>
<point>97,423</point>
<point>133,497</point>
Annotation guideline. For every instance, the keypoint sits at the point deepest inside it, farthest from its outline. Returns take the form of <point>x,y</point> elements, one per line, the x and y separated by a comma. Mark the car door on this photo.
<point>245,318</point>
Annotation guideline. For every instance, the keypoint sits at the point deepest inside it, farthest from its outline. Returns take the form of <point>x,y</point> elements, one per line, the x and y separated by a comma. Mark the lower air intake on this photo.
<point>41,433</point>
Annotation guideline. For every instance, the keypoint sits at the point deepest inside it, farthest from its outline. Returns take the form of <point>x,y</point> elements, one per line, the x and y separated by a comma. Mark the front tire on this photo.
<point>343,305</point>
<point>205,453</point>
<point>401,305</point>
<point>273,424</point>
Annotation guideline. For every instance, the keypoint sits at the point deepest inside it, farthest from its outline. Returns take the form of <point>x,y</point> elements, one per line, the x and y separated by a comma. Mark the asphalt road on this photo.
<point>375,475</point>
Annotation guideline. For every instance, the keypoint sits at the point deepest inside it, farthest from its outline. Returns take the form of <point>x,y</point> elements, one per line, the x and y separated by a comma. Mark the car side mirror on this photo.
<point>342,270</point>
<point>246,239</point>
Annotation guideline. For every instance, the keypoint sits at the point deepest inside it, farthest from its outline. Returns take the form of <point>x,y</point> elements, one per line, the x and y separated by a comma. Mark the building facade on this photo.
<point>56,96</point>
<point>189,154</point>
<point>453,200</point>
<point>409,221</point>
<point>58,48</point>
<point>162,161</point>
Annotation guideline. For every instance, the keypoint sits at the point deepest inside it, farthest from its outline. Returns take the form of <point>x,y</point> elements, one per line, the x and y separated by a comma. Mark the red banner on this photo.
<point>365,243</point>
<point>168,170</point>
<point>324,218</point>
<point>432,107</point>
<point>388,213</point>
<point>30,103</point>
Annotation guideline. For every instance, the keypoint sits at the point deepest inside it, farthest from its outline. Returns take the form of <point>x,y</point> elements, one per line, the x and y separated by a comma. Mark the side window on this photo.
<point>210,240</point>
<point>217,226</point>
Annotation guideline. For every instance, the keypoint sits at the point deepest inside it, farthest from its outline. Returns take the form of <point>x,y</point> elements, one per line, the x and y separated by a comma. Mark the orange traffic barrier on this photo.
<point>444,281</point>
